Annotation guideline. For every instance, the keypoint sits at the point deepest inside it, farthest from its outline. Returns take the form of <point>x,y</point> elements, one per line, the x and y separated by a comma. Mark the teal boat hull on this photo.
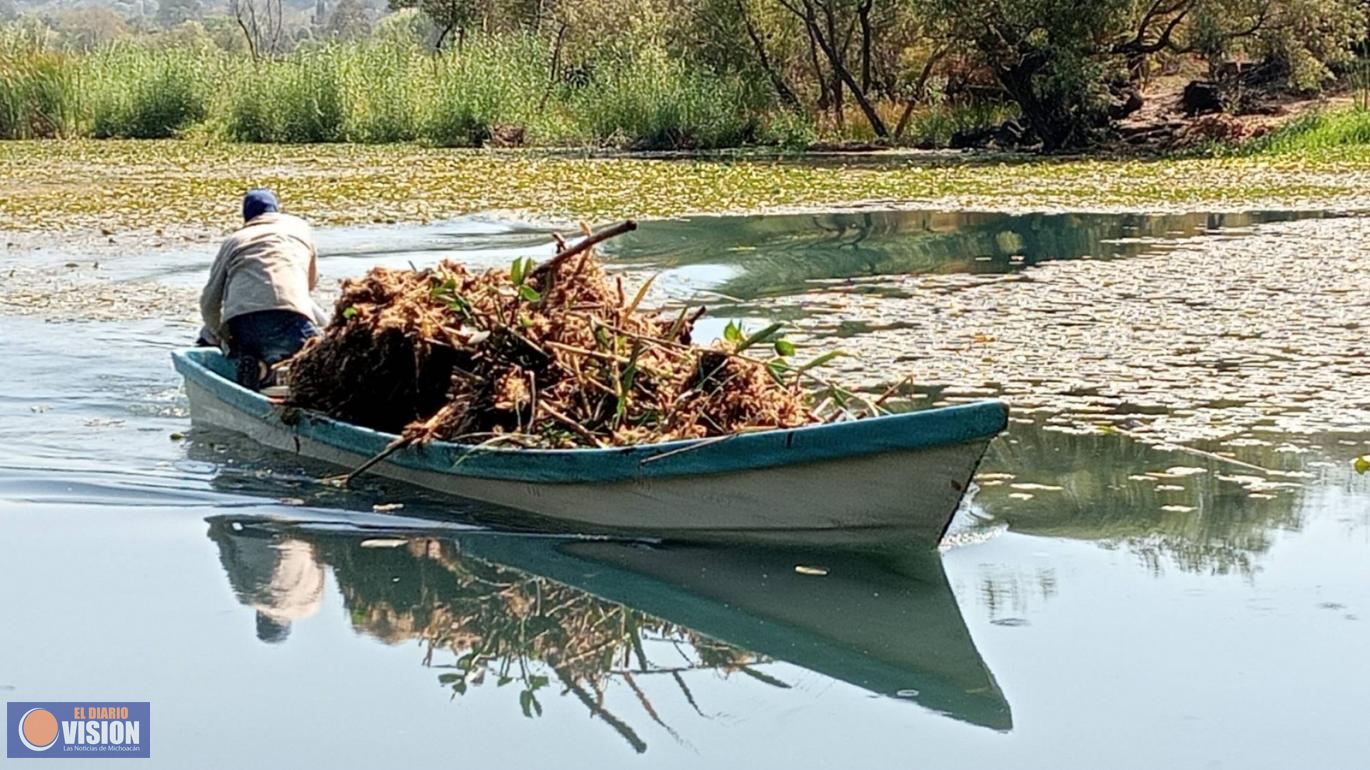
<point>900,476</point>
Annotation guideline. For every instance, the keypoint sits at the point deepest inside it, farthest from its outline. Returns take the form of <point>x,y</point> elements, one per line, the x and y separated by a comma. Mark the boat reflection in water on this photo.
<point>571,617</point>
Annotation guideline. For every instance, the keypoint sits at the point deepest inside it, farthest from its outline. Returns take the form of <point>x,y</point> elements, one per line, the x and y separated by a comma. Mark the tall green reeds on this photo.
<point>385,89</point>
<point>299,99</point>
<point>139,92</point>
<point>488,84</point>
<point>387,83</point>
<point>39,87</point>
<point>648,100</point>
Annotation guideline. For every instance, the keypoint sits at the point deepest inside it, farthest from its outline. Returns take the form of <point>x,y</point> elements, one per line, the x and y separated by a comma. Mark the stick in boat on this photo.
<point>892,390</point>
<point>589,241</point>
<point>346,479</point>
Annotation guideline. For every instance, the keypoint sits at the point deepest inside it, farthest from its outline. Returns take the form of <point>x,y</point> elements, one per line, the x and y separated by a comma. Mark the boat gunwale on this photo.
<point>976,421</point>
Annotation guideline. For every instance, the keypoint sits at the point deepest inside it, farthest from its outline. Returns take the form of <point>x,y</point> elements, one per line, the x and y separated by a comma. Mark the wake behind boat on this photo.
<point>897,477</point>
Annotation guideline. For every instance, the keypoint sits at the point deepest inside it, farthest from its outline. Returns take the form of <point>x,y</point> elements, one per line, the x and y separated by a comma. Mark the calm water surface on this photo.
<point>1100,603</point>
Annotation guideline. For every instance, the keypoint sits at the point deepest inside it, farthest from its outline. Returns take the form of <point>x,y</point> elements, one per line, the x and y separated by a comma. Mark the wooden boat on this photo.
<point>895,477</point>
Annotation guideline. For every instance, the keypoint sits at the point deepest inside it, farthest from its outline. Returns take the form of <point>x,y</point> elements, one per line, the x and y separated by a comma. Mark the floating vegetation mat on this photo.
<point>551,355</point>
<point>83,185</point>
<point>1220,339</point>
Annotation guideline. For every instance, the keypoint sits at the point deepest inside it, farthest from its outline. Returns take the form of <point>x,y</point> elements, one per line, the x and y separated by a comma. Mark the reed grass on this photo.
<point>1319,131</point>
<point>297,100</point>
<point>648,100</point>
<point>39,88</point>
<point>137,92</point>
<point>488,84</point>
<point>389,89</point>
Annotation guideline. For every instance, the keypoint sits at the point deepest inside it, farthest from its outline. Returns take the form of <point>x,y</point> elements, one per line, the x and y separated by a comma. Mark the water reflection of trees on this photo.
<point>1216,521</point>
<point>780,254</point>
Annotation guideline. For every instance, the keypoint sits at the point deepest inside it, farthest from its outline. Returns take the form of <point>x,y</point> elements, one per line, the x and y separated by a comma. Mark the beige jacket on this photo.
<point>268,264</point>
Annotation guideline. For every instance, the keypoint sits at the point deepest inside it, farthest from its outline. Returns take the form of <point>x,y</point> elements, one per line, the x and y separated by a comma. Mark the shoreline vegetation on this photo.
<point>494,92</point>
<point>1186,77</point>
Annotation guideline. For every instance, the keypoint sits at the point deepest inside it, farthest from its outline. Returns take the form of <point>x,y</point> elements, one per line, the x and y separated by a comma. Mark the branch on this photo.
<point>585,244</point>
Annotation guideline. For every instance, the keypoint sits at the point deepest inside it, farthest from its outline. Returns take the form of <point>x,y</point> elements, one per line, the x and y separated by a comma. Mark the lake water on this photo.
<point>1102,600</point>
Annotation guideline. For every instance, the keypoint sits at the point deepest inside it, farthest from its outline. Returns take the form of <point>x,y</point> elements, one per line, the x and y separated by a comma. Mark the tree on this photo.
<point>261,23</point>
<point>448,16</point>
<point>173,12</point>
<point>348,21</point>
<point>1062,61</point>
<point>89,27</point>
<point>829,26</point>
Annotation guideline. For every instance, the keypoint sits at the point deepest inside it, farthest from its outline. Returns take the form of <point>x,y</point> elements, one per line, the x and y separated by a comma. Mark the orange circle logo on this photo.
<point>38,729</point>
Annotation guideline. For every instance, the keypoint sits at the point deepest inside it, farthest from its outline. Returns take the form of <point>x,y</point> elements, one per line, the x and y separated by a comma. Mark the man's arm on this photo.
<point>212,298</point>
<point>313,258</point>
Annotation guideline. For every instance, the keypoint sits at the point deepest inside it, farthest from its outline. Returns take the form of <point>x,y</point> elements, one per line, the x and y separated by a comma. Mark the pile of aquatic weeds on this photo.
<point>540,355</point>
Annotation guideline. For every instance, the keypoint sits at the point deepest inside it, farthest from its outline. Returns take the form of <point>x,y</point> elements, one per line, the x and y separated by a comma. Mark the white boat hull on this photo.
<point>905,495</point>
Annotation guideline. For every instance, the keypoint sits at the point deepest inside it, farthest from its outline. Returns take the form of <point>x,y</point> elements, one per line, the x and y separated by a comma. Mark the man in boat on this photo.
<point>257,301</point>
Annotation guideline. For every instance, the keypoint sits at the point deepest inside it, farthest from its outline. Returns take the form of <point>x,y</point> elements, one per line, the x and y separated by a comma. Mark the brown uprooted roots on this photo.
<point>547,356</point>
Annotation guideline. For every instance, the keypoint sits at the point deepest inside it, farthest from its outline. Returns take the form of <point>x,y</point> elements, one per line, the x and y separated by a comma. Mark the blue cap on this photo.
<point>257,202</point>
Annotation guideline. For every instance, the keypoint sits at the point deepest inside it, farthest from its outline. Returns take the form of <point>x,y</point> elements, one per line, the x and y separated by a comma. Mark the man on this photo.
<point>257,298</point>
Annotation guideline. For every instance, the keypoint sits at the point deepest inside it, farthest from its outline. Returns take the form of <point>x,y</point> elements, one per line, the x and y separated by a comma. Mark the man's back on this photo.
<point>267,264</point>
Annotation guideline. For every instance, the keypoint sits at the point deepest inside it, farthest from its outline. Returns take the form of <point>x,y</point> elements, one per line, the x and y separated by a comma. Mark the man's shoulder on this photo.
<point>288,224</point>
<point>292,220</point>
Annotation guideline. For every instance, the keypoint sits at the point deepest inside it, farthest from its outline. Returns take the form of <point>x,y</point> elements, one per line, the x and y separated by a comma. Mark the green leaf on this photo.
<point>677,325</point>
<point>348,312</point>
<point>760,336</point>
<point>502,681</point>
<point>448,678</point>
<point>537,682</point>
<point>732,332</point>
<point>1361,464</point>
<point>529,293</point>
<point>777,371</point>
<point>820,360</point>
<point>840,395</point>
<point>516,272</point>
<point>784,347</point>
